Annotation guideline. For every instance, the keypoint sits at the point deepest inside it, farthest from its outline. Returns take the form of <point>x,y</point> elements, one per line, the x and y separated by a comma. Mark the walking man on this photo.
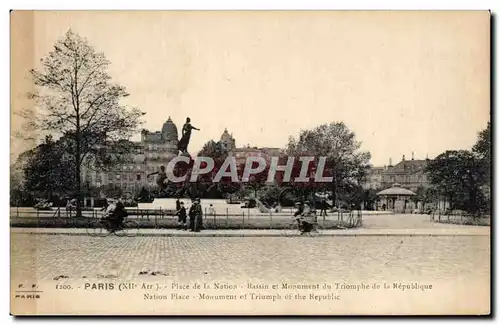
<point>323,208</point>
<point>177,205</point>
<point>195,216</point>
<point>182,216</point>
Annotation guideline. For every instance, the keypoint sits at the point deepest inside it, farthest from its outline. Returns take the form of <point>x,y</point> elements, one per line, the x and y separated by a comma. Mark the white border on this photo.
<point>494,6</point>
<point>257,5</point>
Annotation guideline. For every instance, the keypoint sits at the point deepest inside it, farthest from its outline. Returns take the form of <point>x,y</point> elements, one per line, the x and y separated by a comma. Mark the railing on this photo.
<point>164,218</point>
<point>460,218</point>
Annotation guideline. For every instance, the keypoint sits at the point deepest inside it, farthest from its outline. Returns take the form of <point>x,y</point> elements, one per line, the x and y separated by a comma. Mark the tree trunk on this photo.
<point>314,199</point>
<point>78,171</point>
<point>334,196</point>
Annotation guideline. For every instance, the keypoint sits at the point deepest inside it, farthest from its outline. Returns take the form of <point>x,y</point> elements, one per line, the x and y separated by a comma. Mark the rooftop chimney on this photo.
<point>412,156</point>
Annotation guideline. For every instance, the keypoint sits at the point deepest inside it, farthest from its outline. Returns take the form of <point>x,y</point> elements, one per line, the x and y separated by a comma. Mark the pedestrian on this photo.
<point>323,208</point>
<point>195,216</point>
<point>199,217</point>
<point>70,206</point>
<point>177,205</point>
<point>191,214</point>
<point>182,217</point>
<point>211,210</point>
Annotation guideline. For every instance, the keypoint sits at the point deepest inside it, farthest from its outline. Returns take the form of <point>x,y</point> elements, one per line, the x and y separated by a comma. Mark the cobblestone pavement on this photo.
<point>400,221</point>
<point>460,258</point>
<point>439,231</point>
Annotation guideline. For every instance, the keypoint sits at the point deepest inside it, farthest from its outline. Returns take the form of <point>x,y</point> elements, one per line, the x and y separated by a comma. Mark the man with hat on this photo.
<point>181,213</point>
<point>195,216</point>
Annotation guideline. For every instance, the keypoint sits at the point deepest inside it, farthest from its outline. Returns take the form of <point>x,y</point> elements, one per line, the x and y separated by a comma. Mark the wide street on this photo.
<point>265,257</point>
<point>369,257</point>
<point>455,260</point>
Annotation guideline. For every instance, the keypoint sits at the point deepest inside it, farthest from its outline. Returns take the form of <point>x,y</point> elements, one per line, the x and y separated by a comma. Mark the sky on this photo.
<point>402,81</point>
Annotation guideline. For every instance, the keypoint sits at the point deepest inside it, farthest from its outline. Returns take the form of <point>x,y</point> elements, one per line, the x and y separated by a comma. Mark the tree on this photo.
<point>344,160</point>
<point>483,145</point>
<point>19,196</point>
<point>213,150</point>
<point>112,191</point>
<point>370,198</point>
<point>269,195</point>
<point>482,149</point>
<point>205,184</point>
<point>257,181</point>
<point>457,176</point>
<point>75,98</point>
<point>421,195</point>
<point>425,195</point>
<point>47,168</point>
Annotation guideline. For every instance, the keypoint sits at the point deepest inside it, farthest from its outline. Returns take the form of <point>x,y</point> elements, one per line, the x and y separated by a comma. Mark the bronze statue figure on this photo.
<point>186,136</point>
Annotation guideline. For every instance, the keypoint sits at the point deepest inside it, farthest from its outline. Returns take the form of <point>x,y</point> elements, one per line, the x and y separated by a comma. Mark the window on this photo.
<point>138,177</point>
<point>118,177</point>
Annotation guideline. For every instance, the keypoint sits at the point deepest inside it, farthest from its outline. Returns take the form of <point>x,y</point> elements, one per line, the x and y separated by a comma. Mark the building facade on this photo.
<point>374,178</point>
<point>155,149</point>
<point>241,154</point>
<point>410,174</point>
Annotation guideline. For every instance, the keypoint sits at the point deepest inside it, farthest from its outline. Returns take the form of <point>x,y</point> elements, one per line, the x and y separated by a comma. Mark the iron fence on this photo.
<point>164,218</point>
<point>460,218</point>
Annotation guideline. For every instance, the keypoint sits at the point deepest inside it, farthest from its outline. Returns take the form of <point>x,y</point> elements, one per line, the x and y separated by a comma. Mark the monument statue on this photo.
<point>186,136</point>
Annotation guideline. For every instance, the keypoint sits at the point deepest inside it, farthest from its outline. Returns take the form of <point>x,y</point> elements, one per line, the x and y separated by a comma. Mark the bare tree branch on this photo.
<point>75,98</point>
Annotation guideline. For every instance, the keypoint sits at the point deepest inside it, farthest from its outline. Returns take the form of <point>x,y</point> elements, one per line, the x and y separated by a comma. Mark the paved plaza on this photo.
<point>266,258</point>
<point>454,260</point>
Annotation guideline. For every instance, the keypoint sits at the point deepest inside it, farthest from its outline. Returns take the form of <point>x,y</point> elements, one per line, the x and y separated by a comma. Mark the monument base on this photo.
<point>185,154</point>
